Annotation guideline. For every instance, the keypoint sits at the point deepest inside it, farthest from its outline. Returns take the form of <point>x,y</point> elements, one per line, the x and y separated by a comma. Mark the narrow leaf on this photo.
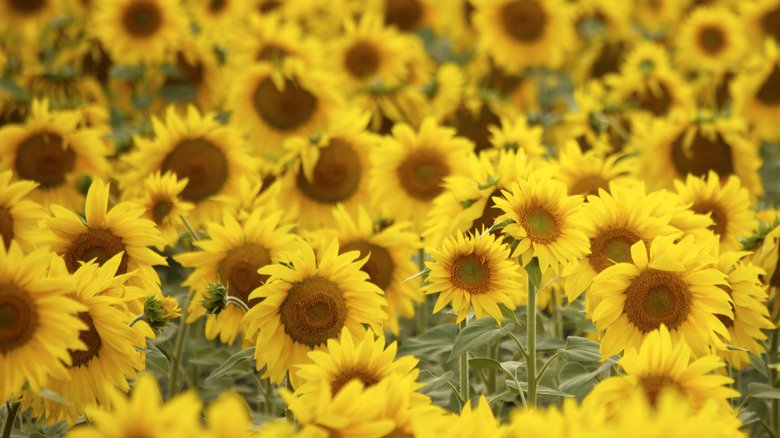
<point>433,383</point>
<point>542,390</point>
<point>51,395</point>
<point>579,349</point>
<point>509,314</point>
<point>156,359</point>
<point>234,361</point>
<point>478,333</point>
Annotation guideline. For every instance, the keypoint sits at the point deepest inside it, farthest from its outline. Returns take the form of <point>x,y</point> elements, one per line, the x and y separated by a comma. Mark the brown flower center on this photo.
<point>541,226</point>
<point>379,266</point>
<point>524,20</point>
<point>657,297</point>
<point>362,59</point>
<point>589,185</point>
<point>657,104</point>
<point>727,321</point>
<point>142,19</point>
<point>771,23</point>
<point>100,244</point>
<point>272,53</point>
<point>406,14</point>
<point>611,246</point>
<point>702,156</point>
<point>336,175</point>
<point>268,6</point>
<point>609,59</point>
<point>27,7</point>
<point>346,376</point>
<point>6,226</point>
<point>654,386</point>
<point>471,273</point>
<point>716,213</point>
<point>314,311</point>
<point>18,317</point>
<point>42,158</point>
<point>192,73</point>
<point>769,93</point>
<point>489,215</point>
<point>284,110</point>
<point>161,210</point>
<point>91,338</point>
<point>775,280</point>
<point>238,270</point>
<point>421,174</point>
<point>475,127</point>
<point>204,164</point>
<point>711,39</point>
<point>216,6</point>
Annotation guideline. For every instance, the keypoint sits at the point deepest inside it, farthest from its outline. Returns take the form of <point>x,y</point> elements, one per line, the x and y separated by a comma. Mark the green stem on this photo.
<point>544,368</point>
<point>772,379</point>
<point>457,394</point>
<point>11,410</point>
<point>422,309</point>
<point>464,369</point>
<point>556,314</point>
<point>289,414</point>
<point>519,346</point>
<point>189,228</point>
<point>178,351</point>
<point>236,301</point>
<point>531,343</point>
<point>495,350</point>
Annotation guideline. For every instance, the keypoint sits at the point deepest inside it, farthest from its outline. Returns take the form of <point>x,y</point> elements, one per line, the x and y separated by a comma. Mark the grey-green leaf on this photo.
<point>485,362</point>
<point>478,333</point>
<point>156,359</point>
<point>579,349</point>
<point>534,273</point>
<point>762,390</point>
<point>51,395</point>
<point>432,382</point>
<point>234,361</point>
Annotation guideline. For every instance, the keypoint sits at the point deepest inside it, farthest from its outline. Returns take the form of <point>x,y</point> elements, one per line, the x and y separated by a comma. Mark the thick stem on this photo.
<point>464,371</point>
<point>290,416</point>
<point>178,351</point>
<point>11,409</point>
<point>531,343</point>
<point>772,379</point>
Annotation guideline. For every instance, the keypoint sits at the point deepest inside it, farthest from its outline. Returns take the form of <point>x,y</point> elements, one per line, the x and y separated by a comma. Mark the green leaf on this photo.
<point>497,226</point>
<point>534,273</point>
<point>579,349</point>
<point>156,359</point>
<point>178,93</point>
<point>509,314</point>
<point>762,390</point>
<point>735,348</point>
<point>235,360</point>
<point>15,91</point>
<point>758,363</point>
<point>433,342</point>
<point>478,333</point>
<point>51,395</point>
<point>432,382</point>
<point>541,390</point>
<point>575,378</point>
<point>425,271</point>
<point>485,362</point>
<point>37,435</point>
<point>512,366</point>
<point>546,343</point>
<point>126,72</point>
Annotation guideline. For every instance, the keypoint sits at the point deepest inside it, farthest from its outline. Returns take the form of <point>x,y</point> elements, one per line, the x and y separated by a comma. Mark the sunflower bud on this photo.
<point>159,312</point>
<point>215,298</point>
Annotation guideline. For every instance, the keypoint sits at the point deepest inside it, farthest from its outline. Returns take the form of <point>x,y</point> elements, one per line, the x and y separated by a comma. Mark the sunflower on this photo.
<point>456,23</point>
<point>475,116</point>
<point>467,202</point>
<point>766,252</point>
<point>138,31</point>
<point>476,421</point>
<point>671,149</point>
<point>232,255</point>
<point>409,168</point>
<point>27,17</point>
<point>473,272</point>
<point>613,221</point>
<point>523,33</point>
<point>762,19</point>
<point>657,16</point>
<point>750,308</point>
<point>515,134</point>
<point>488,78</point>
<point>218,19</point>
<point>676,285</point>
<point>544,221</point>
<point>271,39</point>
<point>727,203</point>
<point>228,416</point>
<point>664,364</point>
<point>198,71</point>
<point>112,354</point>
<point>40,323</point>
<point>272,104</point>
<point>161,197</point>
<point>711,39</point>
<point>52,151</point>
<point>308,301</point>
<point>389,252</point>
<point>406,15</point>
<point>104,233</point>
<point>601,58</point>
<point>143,414</point>
<point>369,52</point>
<point>586,173</point>
<point>755,92</point>
<point>334,169</point>
<point>662,203</point>
<point>211,156</point>
<point>19,217</point>
<point>365,359</point>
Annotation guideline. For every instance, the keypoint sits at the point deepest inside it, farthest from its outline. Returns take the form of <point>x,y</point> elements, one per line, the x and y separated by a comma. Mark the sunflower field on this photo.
<point>389,218</point>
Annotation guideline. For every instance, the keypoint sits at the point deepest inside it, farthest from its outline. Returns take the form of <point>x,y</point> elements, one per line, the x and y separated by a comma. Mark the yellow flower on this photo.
<point>711,39</point>
<point>663,364</point>
<point>308,301</point>
<point>232,255</point>
<point>161,197</point>
<point>136,31</point>
<point>544,221</point>
<point>51,150</point>
<point>19,217</point>
<point>143,413</point>
<point>521,33</point>
<point>473,272</point>
<point>755,92</point>
<point>586,173</point>
<point>676,285</point>
<point>39,323</point>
